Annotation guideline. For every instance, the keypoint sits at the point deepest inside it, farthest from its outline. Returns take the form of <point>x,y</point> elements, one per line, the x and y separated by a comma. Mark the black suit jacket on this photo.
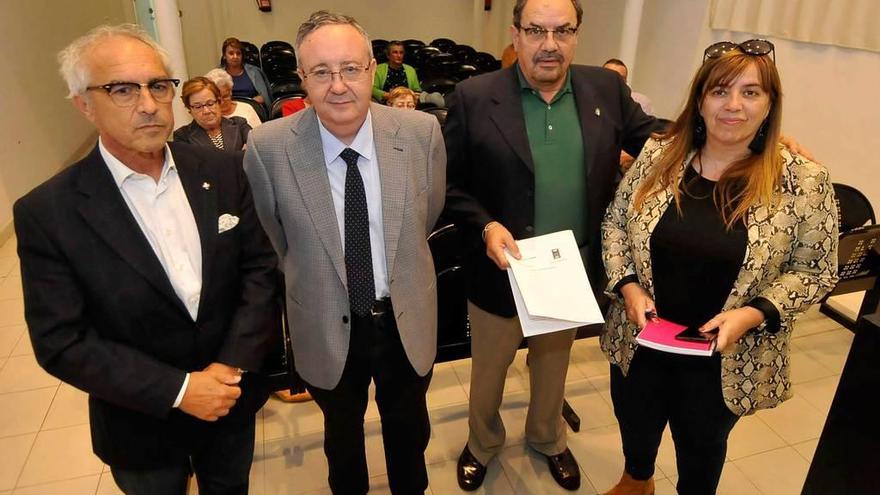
<point>104,317</point>
<point>235,132</point>
<point>490,171</point>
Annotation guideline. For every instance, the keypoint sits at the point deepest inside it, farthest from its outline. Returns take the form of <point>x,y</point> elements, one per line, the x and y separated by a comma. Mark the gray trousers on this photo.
<point>494,341</point>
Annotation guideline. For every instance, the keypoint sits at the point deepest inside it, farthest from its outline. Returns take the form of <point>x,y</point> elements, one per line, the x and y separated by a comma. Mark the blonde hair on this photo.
<point>749,182</point>
<point>400,92</point>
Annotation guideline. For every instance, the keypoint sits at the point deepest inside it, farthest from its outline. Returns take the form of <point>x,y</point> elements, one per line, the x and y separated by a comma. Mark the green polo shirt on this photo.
<point>557,146</point>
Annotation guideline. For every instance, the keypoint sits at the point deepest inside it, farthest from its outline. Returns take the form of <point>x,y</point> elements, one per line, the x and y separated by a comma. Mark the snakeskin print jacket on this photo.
<point>790,260</point>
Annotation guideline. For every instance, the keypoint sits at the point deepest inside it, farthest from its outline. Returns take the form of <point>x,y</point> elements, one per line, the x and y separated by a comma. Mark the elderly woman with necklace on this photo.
<point>715,226</point>
<point>209,128</point>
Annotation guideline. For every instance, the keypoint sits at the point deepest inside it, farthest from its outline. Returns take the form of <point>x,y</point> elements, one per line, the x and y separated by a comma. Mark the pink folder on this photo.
<point>660,334</point>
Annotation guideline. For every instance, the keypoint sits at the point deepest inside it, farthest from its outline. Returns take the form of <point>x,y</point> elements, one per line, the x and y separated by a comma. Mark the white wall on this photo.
<point>41,131</point>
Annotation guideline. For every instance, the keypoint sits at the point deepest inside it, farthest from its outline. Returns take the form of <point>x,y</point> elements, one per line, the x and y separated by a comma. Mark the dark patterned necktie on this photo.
<point>358,255</point>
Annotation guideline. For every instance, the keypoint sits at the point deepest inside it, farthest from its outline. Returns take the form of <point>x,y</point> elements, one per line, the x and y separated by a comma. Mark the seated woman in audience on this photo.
<point>228,106</point>
<point>715,226</point>
<point>202,98</point>
<point>248,80</point>
<point>402,97</point>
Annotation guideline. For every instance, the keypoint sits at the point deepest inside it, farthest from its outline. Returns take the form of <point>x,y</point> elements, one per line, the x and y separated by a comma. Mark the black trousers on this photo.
<point>221,463</point>
<point>684,391</point>
<point>375,352</point>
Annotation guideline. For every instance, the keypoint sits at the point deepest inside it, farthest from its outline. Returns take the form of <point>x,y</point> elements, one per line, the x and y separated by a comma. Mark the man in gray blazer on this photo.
<point>348,192</point>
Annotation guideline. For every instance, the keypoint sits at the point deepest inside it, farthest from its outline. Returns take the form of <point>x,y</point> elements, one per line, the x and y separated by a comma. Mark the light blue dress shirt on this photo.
<point>368,166</point>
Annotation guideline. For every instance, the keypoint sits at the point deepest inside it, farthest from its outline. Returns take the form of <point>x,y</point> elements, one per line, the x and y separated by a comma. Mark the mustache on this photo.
<point>150,121</point>
<point>547,57</point>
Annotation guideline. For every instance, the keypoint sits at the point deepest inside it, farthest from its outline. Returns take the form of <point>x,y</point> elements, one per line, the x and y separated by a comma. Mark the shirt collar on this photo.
<point>524,84</point>
<point>362,143</point>
<point>121,172</point>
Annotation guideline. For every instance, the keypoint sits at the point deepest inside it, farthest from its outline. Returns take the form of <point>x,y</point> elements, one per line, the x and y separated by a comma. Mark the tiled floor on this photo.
<point>44,433</point>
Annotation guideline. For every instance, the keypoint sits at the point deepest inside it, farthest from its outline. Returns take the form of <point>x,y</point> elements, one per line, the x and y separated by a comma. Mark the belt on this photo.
<point>381,307</point>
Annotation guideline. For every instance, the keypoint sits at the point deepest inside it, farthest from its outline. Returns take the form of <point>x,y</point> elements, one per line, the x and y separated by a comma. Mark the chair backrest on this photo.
<point>853,208</point>
<point>464,71</point>
<point>258,107</point>
<point>453,328</point>
<point>281,74</point>
<point>439,84</point>
<point>486,62</point>
<point>287,87</point>
<point>275,45</point>
<point>463,53</point>
<point>423,55</point>
<point>444,44</point>
<point>250,53</point>
<point>439,112</point>
<point>280,59</point>
<point>439,65</point>
<point>410,49</point>
<point>379,51</point>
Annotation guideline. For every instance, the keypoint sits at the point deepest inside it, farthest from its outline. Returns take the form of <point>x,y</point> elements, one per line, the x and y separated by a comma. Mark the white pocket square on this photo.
<point>226,222</point>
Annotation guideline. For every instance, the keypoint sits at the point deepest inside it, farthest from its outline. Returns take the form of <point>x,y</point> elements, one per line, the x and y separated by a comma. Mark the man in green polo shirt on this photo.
<point>532,149</point>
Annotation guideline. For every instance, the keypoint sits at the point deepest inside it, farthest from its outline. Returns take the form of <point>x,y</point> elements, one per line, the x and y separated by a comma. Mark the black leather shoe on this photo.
<point>564,469</point>
<point>470,472</point>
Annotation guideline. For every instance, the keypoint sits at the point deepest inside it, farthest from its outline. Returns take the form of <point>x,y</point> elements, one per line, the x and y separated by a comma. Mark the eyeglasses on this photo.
<point>537,34</point>
<point>756,47</point>
<point>207,104</point>
<point>126,94</point>
<point>348,73</point>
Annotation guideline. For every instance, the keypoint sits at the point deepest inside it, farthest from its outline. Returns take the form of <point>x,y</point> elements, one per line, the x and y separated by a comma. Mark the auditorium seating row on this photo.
<point>440,64</point>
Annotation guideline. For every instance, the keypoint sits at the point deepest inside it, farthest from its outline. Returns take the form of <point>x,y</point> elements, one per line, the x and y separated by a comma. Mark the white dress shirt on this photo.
<point>164,215</point>
<point>368,166</point>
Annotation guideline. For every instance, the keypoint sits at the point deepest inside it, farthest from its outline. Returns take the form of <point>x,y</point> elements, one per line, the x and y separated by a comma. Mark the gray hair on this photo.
<point>220,77</point>
<point>521,4</point>
<point>71,59</point>
<point>323,18</point>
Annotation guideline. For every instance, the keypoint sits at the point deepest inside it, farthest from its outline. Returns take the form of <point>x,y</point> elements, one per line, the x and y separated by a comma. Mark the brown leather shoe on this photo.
<point>470,472</point>
<point>564,469</point>
<point>630,486</point>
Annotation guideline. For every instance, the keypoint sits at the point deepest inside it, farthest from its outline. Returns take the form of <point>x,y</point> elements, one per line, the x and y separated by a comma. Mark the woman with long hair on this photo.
<point>715,226</point>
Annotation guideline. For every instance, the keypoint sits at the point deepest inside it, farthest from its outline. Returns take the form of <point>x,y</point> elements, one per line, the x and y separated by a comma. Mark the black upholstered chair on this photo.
<point>444,44</point>
<point>258,107</point>
<point>858,261</point>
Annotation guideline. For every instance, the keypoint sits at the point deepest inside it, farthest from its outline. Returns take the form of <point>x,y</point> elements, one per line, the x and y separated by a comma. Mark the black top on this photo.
<point>396,77</point>
<point>695,258</point>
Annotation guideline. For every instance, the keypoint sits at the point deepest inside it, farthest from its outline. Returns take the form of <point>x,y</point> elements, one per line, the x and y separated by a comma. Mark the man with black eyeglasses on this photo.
<point>348,191</point>
<point>533,149</point>
<point>148,281</point>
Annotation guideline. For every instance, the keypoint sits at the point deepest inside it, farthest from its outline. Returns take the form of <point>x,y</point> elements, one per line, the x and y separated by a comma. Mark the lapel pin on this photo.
<point>206,186</point>
<point>598,112</point>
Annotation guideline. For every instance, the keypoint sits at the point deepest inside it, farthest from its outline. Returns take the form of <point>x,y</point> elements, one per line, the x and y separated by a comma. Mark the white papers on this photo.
<point>550,285</point>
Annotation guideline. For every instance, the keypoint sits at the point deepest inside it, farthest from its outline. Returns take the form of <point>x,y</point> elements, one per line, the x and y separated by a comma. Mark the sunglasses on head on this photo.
<point>756,47</point>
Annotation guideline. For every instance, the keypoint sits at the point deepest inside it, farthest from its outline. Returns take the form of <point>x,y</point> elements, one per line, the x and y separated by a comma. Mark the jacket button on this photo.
<point>345,319</point>
<point>530,228</point>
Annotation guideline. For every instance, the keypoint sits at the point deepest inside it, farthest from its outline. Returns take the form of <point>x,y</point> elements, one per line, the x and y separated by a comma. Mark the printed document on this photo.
<point>550,285</point>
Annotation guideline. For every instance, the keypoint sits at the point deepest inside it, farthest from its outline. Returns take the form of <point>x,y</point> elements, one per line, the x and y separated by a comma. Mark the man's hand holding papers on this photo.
<point>550,285</point>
